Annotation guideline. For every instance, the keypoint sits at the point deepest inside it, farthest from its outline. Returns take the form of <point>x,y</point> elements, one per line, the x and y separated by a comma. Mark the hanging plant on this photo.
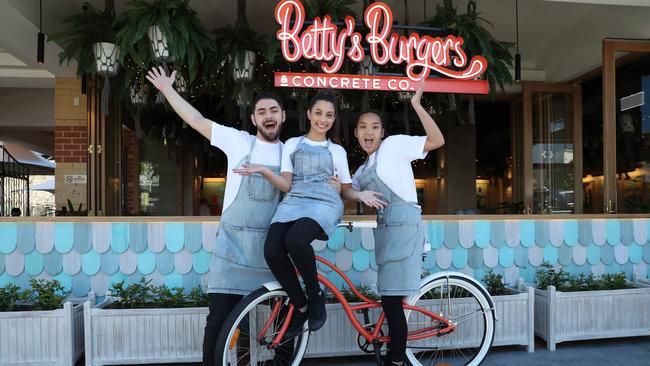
<point>478,40</point>
<point>241,59</point>
<point>177,33</point>
<point>336,9</point>
<point>90,40</point>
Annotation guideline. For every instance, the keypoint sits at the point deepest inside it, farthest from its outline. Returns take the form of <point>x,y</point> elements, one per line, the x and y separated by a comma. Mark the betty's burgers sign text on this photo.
<point>329,44</point>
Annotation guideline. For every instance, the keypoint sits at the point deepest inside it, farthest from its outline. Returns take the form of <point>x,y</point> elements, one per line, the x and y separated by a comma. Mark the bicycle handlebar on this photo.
<point>358,225</point>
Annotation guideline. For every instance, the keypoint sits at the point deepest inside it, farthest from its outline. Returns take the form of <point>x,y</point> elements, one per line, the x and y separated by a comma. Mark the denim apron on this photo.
<point>311,195</point>
<point>238,266</point>
<point>399,238</point>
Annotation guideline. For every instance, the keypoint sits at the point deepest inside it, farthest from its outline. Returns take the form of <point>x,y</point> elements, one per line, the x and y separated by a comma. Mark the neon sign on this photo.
<point>324,41</point>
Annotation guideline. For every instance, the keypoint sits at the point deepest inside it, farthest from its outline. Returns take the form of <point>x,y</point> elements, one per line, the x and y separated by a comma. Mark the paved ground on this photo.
<point>611,352</point>
<point>620,352</point>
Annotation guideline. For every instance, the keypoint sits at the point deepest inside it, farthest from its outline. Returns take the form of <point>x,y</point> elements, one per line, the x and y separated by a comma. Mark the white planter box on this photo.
<point>52,337</point>
<point>141,336</point>
<point>570,316</point>
<point>516,319</point>
<point>337,337</point>
<point>515,327</point>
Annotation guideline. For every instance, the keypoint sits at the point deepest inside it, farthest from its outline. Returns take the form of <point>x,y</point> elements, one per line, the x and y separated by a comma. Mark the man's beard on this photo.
<point>270,136</point>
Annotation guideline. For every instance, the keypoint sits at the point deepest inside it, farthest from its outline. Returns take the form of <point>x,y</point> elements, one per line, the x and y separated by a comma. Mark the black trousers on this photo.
<point>220,305</point>
<point>397,328</point>
<point>293,239</point>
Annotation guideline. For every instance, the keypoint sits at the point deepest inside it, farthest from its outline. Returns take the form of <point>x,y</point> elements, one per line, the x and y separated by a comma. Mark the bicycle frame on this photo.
<point>370,337</point>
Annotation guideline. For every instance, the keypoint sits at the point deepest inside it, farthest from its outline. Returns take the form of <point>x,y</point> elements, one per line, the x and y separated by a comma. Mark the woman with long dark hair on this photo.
<point>386,178</point>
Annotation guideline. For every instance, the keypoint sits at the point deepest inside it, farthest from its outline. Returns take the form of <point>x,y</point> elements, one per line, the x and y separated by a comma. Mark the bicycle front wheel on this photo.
<point>249,330</point>
<point>465,305</point>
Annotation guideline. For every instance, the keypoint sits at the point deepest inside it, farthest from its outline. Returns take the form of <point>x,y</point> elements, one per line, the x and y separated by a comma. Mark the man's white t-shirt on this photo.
<point>394,166</point>
<point>339,157</point>
<point>236,145</point>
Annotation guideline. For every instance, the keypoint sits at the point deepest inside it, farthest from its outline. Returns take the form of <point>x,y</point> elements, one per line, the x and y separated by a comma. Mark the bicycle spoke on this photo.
<point>251,336</point>
<point>464,305</point>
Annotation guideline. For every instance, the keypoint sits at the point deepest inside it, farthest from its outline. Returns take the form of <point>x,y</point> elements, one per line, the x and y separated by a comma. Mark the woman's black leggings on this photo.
<point>397,330</point>
<point>293,239</point>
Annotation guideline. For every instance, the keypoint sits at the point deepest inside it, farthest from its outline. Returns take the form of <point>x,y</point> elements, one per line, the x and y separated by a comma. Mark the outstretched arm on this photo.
<point>184,109</point>
<point>370,198</point>
<point>434,136</point>
<point>280,181</point>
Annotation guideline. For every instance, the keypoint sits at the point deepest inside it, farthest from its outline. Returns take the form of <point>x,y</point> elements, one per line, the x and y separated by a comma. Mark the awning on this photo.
<point>48,185</point>
<point>37,163</point>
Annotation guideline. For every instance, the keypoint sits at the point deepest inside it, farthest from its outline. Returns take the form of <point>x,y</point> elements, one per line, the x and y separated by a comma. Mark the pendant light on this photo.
<point>40,46</point>
<point>517,55</point>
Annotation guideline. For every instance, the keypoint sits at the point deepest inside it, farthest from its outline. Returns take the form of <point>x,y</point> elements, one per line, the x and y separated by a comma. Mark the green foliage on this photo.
<point>197,297</point>
<point>495,285</point>
<point>144,295</point>
<point>547,276</point>
<point>478,41</point>
<point>566,282</point>
<point>186,36</point>
<point>165,297</point>
<point>10,295</point>
<point>337,9</point>
<point>84,30</point>
<point>350,296</point>
<point>47,294</point>
<point>135,295</point>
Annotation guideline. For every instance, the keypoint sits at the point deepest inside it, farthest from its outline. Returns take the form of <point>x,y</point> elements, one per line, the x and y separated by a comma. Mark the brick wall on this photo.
<point>70,141</point>
<point>71,144</point>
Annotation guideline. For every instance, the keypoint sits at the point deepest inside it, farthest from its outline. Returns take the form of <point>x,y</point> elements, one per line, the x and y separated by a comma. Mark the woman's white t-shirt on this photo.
<point>236,145</point>
<point>394,166</point>
<point>339,156</point>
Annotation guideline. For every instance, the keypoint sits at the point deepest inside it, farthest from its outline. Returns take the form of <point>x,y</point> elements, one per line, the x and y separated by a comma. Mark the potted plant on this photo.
<point>163,30</point>
<point>478,40</point>
<point>571,307</point>
<point>239,63</point>
<point>127,314</point>
<point>336,9</point>
<point>31,318</point>
<point>90,40</point>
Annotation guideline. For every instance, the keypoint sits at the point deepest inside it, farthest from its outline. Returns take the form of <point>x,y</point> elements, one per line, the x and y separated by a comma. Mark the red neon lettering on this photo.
<point>424,53</point>
<point>323,41</point>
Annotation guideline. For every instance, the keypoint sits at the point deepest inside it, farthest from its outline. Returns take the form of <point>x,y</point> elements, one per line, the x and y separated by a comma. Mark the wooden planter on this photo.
<point>141,336</point>
<point>571,316</point>
<point>51,337</point>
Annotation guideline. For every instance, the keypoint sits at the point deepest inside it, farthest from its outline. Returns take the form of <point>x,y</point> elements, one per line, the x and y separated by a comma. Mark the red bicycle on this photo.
<point>450,322</point>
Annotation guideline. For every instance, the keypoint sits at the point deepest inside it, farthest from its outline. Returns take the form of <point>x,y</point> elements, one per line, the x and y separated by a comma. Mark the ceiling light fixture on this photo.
<point>517,55</point>
<point>40,46</point>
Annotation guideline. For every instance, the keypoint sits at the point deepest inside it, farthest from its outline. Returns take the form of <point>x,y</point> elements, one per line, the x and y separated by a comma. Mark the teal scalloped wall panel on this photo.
<point>92,256</point>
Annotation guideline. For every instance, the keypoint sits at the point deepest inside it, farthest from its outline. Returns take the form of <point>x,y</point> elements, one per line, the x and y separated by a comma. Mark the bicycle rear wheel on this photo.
<point>465,304</point>
<point>243,341</point>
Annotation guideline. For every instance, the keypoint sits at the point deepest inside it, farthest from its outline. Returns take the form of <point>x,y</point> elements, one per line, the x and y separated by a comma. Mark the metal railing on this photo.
<point>14,184</point>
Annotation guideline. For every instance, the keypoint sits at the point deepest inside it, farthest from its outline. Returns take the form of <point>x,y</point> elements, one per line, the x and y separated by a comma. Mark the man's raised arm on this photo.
<point>185,110</point>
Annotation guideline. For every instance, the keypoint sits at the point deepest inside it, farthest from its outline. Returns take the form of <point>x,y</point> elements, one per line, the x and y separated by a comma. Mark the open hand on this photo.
<point>372,199</point>
<point>415,99</point>
<point>248,169</point>
<point>159,79</point>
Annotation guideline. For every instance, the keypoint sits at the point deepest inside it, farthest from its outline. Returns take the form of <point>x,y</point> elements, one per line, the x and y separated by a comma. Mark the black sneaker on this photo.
<point>317,313</point>
<point>295,327</point>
